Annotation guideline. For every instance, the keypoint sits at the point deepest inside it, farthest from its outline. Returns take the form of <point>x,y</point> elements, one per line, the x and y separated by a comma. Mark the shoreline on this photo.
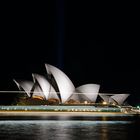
<point>67,116</point>
<point>62,113</point>
<point>65,113</point>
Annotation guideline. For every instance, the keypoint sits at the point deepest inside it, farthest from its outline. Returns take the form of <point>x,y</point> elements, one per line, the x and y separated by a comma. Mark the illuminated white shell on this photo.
<point>120,98</point>
<point>47,89</point>
<point>90,90</point>
<point>25,85</point>
<point>65,85</point>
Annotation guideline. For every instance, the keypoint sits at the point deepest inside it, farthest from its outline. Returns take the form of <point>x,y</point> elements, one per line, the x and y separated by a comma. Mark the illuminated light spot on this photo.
<point>138,107</point>
<point>85,102</point>
<point>104,103</point>
<point>113,104</point>
<point>125,111</point>
<point>38,97</point>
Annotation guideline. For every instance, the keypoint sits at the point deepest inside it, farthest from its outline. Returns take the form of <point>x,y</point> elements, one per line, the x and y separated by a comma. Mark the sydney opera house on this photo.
<point>56,87</point>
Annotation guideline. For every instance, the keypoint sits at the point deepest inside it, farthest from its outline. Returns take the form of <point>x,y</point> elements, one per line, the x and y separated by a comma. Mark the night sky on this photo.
<point>90,42</point>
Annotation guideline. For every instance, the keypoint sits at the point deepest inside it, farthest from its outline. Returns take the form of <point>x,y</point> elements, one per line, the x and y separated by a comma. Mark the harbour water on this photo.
<point>69,129</point>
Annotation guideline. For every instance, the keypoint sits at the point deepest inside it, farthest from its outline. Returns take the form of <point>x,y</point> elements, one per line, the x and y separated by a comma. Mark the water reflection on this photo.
<point>68,130</point>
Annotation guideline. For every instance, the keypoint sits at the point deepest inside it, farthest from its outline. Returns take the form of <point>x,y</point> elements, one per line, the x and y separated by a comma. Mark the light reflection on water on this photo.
<point>67,130</point>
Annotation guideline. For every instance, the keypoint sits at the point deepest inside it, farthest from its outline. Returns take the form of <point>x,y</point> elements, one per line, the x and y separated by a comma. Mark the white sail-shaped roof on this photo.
<point>105,97</point>
<point>46,87</point>
<point>111,100</point>
<point>79,97</point>
<point>120,98</point>
<point>25,85</point>
<point>65,85</point>
<point>90,90</point>
<point>38,91</point>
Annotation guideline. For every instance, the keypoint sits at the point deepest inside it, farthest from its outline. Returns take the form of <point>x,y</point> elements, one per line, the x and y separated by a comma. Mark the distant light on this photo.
<point>38,97</point>
<point>138,107</point>
<point>104,103</point>
<point>85,102</point>
<point>125,111</point>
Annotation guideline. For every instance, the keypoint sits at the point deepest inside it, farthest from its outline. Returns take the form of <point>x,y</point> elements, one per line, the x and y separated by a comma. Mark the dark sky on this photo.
<point>90,42</point>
